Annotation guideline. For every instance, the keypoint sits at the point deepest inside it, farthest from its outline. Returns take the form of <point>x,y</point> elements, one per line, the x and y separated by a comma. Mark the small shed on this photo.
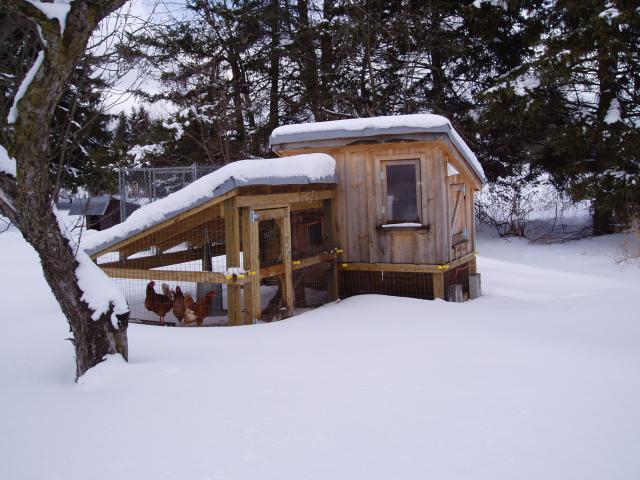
<point>101,212</point>
<point>404,205</point>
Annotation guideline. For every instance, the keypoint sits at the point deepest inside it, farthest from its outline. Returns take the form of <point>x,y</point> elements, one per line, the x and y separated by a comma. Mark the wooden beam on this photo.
<point>173,275</point>
<point>281,199</point>
<point>405,267</point>
<point>473,269</point>
<point>279,269</point>
<point>288,294</point>
<point>329,235</point>
<point>438,285</point>
<point>232,241</point>
<point>271,213</point>
<point>251,261</point>
<point>154,261</point>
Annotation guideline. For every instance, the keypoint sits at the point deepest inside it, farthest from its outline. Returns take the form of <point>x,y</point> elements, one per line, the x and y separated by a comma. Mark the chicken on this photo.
<point>195,312</point>
<point>178,303</point>
<point>158,303</point>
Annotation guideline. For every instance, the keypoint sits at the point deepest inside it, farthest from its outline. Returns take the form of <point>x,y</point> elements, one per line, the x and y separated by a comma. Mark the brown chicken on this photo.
<point>178,304</point>
<point>158,303</point>
<point>195,312</point>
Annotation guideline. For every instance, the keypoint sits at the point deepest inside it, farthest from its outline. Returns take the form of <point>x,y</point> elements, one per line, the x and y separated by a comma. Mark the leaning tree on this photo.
<point>98,323</point>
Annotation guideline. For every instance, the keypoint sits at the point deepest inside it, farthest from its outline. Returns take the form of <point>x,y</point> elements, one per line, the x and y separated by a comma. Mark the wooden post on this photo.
<point>232,243</point>
<point>251,263</point>
<point>285,246</point>
<point>438,285</point>
<point>329,243</point>
<point>473,269</point>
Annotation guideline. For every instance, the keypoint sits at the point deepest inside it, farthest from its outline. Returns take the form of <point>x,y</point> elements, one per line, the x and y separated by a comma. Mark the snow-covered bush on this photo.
<point>530,206</point>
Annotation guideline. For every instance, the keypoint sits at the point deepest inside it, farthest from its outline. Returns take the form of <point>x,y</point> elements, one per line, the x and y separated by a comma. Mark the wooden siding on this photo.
<point>358,203</point>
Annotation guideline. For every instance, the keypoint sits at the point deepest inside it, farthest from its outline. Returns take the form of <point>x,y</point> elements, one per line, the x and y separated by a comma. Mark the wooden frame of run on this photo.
<point>236,212</point>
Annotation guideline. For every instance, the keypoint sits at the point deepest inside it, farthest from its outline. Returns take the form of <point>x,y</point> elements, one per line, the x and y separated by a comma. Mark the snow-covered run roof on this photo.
<point>369,127</point>
<point>294,170</point>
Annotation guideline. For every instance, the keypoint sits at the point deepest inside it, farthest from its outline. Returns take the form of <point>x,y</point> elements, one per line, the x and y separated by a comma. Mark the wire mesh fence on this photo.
<point>399,284</point>
<point>140,186</point>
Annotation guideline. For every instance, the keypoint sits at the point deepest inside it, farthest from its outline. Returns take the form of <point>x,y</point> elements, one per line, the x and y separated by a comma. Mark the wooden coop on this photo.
<point>380,205</point>
<point>251,241</point>
<point>404,203</point>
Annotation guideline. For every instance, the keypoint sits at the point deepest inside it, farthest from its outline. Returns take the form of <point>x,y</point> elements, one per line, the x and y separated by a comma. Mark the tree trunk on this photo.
<point>28,199</point>
<point>309,62</point>
<point>274,67</point>
<point>603,218</point>
<point>603,213</point>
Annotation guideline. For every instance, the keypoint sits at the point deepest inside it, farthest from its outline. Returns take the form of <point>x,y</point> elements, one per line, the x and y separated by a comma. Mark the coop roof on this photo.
<point>90,206</point>
<point>362,128</point>
<point>294,170</point>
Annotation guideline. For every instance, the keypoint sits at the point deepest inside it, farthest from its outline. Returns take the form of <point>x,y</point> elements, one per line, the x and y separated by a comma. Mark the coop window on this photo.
<point>400,191</point>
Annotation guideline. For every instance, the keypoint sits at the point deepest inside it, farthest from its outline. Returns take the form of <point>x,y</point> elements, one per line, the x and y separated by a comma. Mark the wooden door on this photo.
<point>272,230</point>
<point>459,219</point>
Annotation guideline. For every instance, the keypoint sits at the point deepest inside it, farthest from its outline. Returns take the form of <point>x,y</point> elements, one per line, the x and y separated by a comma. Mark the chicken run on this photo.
<point>232,248</point>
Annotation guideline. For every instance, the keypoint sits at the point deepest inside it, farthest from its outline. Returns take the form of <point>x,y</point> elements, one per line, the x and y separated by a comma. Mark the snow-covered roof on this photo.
<point>373,126</point>
<point>90,206</point>
<point>293,170</point>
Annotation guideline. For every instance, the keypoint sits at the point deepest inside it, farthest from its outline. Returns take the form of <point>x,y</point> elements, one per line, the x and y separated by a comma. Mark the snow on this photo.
<point>312,167</point>
<point>174,126</point>
<point>56,10</point>
<point>139,152</point>
<point>451,170</point>
<point>613,113</point>
<point>12,117</point>
<point>494,3</point>
<point>235,271</point>
<point>610,13</point>
<point>521,85</point>
<point>537,379</point>
<point>363,127</point>
<point>7,163</point>
<point>98,290</point>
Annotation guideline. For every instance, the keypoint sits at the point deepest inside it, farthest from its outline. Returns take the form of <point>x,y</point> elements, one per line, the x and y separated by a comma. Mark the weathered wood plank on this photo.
<point>288,294</point>
<point>404,267</point>
<point>279,269</point>
<point>251,261</point>
<point>154,261</point>
<point>329,234</point>
<point>438,285</point>
<point>172,275</point>
<point>282,199</point>
<point>232,240</point>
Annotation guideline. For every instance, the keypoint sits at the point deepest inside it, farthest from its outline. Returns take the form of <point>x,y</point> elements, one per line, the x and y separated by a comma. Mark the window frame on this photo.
<point>381,162</point>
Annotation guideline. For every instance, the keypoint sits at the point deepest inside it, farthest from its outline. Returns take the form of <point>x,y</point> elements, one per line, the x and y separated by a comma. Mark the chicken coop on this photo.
<point>404,203</point>
<point>381,205</point>
<point>252,241</point>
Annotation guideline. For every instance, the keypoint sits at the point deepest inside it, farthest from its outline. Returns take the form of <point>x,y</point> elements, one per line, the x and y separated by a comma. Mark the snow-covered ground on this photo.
<point>538,379</point>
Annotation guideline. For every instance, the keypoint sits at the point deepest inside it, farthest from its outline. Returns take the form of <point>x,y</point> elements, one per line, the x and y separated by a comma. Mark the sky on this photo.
<point>131,17</point>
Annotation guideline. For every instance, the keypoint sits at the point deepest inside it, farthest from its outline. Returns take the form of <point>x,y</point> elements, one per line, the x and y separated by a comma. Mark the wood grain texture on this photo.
<point>359,202</point>
<point>232,241</point>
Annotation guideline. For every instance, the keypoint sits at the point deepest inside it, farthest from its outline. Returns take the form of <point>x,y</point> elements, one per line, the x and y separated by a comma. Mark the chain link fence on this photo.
<point>140,186</point>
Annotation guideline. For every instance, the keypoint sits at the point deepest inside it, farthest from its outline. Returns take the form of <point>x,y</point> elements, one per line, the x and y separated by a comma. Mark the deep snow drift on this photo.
<point>538,379</point>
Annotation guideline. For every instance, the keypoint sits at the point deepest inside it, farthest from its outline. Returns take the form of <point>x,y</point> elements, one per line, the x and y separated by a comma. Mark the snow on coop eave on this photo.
<point>316,168</point>
<point>322,133</point>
